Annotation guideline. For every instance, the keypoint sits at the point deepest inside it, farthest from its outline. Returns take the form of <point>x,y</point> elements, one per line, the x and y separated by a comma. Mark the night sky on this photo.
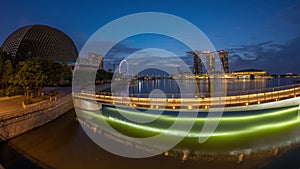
<point>258,34</point>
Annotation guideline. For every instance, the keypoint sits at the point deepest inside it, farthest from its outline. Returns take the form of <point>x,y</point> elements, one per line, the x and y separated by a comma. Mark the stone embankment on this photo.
<point>15,123</point>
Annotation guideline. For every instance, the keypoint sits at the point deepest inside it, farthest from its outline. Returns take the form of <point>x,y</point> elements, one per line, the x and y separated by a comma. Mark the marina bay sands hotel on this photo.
<point>210,64</point>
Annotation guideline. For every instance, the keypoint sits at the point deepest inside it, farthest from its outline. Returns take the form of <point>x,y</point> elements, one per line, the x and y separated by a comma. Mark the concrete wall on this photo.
<point>33,116</point>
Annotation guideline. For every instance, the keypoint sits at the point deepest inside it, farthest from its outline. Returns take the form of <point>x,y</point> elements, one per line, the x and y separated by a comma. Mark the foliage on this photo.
<point>103,75</point>
<point>30,74</point>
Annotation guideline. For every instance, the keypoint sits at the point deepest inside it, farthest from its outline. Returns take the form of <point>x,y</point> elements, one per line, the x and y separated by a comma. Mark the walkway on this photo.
<point>11,105</point>
<point>196,101</point>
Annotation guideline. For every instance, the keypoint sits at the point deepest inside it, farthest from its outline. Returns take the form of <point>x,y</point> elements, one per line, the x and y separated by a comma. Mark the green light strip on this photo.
<point>197,135</point>
<point>202,119</point>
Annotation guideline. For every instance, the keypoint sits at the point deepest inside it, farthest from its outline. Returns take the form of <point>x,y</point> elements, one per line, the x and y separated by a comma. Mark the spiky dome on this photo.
<point>41,41</point>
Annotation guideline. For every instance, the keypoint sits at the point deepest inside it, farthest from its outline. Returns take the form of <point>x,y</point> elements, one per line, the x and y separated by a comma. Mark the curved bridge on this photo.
<point>242,98</point>
<point>249,119</point>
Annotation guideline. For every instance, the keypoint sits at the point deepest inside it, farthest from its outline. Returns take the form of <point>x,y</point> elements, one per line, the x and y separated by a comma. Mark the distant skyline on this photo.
<point>258,34</point>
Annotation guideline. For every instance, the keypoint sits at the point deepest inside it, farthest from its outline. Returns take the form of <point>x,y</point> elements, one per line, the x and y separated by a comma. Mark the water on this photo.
<point>232,86</point>
<point>63,144</point>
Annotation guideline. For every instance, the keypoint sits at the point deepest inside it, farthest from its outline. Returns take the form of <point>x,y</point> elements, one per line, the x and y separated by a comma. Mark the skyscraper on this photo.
<point>197,64</point>
<point>209,61</point>
<point>224,60</point>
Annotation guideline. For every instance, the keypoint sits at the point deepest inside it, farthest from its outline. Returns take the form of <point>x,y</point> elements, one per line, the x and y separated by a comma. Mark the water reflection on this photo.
<point>63,138</point>
<point>280,131</point>
<point>233,86</point>
<point>40,146</point>
<point>263,134</point>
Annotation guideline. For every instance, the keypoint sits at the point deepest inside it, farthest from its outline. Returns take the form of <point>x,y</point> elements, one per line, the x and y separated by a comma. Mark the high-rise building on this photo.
<point>197,64</point>
<point>97,60</point>
<point>210,61</point>
<point>210,64</point>
<point>224,60</point>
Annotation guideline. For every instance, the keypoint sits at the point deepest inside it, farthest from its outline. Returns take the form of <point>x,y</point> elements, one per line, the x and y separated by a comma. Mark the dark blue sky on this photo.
<point>259,34</point>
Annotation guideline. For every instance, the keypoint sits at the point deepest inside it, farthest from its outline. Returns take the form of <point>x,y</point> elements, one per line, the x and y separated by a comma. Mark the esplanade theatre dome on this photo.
<point>41,41</point>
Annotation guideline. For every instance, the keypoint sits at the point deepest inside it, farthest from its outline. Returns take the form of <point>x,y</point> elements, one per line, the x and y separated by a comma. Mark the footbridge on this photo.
<point>195,101</point>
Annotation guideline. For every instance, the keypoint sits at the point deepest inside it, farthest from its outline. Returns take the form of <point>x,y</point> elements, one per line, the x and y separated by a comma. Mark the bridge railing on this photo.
<point>174,101</point>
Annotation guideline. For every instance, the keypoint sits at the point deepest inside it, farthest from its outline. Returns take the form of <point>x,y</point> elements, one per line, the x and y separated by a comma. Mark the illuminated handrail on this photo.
<point>193,100</point>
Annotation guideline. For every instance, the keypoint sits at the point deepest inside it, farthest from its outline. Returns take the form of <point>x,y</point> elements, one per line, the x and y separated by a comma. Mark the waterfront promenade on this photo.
<point>14,103</point>
<point>195,101</point>
<point>10,104</point>
<point>16,118</point>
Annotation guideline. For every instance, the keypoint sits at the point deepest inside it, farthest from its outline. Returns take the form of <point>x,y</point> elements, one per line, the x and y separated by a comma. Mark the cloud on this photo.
<point>139,59</point>
<point>264,43</point>
<point>250,52</point>
<point>266,55</point>
<point>275,58</point>
<point>121,48</point>
<point>172,65</point>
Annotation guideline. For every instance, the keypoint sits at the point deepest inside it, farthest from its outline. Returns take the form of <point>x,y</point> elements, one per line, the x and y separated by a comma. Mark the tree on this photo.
<point>8,74</point>
<point>52,70</point>
<point>1,68</point>
<point>35,72</point>
<point>4,57</point>
<point>66,73</point>
<point>31,75</point>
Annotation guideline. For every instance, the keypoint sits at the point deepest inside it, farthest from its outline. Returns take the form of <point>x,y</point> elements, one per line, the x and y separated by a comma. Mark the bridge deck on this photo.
<point>193,101</point>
